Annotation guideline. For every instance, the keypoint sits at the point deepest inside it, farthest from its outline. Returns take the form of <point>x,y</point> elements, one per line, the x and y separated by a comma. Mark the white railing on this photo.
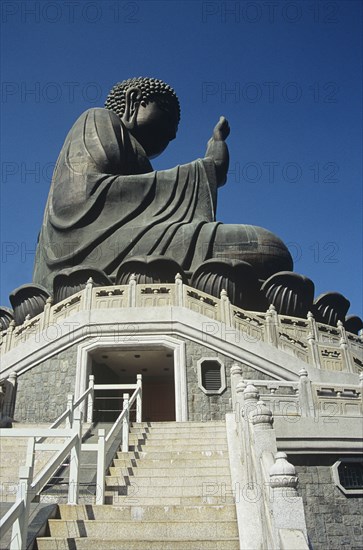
<point>18,515</point>
<point>120,426</point>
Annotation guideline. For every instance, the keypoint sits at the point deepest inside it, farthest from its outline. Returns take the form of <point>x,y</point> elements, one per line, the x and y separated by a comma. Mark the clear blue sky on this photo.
<point>287,75</point>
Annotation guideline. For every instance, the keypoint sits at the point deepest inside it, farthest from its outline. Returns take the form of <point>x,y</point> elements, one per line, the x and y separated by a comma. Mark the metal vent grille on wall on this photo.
<point>351,475</point>
<point>211,375</point>
<point>348,475</point>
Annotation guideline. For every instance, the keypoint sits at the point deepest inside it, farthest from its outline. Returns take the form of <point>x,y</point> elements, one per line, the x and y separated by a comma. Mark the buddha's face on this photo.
<point>154,128</point>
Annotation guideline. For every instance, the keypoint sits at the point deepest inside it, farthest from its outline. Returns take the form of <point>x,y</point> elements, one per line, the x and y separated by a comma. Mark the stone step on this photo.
<point>141,471</point>
<point>115,499</point>
<point>140,432</point>
<point>13,445</point>
<point>171,491</point>
<point>179,461</point>
<point>173,424</point>
<point>148,513</point>
<point>176,428</point>
<point>138,530</point>
<point>144,544</point>
<point>180,432</point>
<point>185,454</point>
<point>177,445</point>
<point>137,440</point>
<point>136,491</point>
<point>162,439</point>
<point>174,436</point>
<point>163,481</point>
<point>9,472</point>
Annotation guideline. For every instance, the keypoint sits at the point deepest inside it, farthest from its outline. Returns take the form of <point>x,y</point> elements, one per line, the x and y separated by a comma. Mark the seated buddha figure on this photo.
<point>107,204</point>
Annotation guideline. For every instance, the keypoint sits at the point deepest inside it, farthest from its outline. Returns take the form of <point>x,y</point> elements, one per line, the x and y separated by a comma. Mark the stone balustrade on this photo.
<point>274,505</point>
<point>320,345</point>
<point>310,399</point>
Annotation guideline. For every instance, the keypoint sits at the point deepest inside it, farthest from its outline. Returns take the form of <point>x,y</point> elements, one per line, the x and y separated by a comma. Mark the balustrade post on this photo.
<point>101,467</point>
<point>139,399</point>
<point>70,409</point>
<point>2,398</point>
<point>179,293</point>
<point>225,309</point>
<point>9,336</point>
<point>271,320</point>
<point>285,502</point>
<point>10,395</point>
<point>125,424</point>
<point>73,490</point>
<point>132,291</point>
<point>238,409</point>
<point>264,437</point>
<point>90,399</point>
<point>236,377</point>
<point>20,527</point>
<point>346,355</point>
<point>250,400</point>
<point>306,395</point>
<point>87,295</point>
<point>46,313</point>
<point>312,341</point>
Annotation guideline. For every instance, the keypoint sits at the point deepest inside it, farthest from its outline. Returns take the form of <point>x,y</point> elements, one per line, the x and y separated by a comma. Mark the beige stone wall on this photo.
<point>202,407</point>
<point>42,391</point>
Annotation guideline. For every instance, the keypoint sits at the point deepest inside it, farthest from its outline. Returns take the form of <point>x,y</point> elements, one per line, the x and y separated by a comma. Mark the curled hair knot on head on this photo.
<point>152,89</point>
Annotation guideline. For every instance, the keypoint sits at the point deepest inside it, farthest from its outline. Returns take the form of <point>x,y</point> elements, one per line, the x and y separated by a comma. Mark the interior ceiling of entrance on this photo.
<point>157,362</point>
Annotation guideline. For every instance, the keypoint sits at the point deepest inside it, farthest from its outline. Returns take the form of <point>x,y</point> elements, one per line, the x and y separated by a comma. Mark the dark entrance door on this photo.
<point>158,399</point>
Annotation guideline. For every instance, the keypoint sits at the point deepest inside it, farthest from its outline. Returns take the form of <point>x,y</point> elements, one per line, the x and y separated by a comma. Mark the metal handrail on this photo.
<point>42,478</point>
<point>104,444</point>
<point>85,394</point>
<point>72,406</point>
<point>16,510</point>
<point>17,516</point>
<point>123,413</point>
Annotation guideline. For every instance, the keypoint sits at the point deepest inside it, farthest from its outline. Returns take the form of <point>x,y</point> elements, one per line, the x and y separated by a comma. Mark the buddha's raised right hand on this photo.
<point>217,150</point>
<point>221,130</point>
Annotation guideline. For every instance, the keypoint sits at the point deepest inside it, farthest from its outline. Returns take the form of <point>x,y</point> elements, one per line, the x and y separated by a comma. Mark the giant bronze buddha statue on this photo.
<point>107,204</point>
<point>109,215</point>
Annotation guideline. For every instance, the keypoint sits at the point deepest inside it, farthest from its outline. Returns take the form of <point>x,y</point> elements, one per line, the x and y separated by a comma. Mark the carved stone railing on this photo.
<point>305,398</point>
<point>323,346</point>
<point>258,469</point>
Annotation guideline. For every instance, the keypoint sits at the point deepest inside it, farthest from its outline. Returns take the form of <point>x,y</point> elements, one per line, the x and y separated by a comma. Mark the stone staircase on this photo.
<point>171,491</point>
<point>13,455</point>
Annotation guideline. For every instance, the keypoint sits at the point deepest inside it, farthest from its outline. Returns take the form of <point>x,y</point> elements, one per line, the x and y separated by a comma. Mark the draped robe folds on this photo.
<point>106,203</point>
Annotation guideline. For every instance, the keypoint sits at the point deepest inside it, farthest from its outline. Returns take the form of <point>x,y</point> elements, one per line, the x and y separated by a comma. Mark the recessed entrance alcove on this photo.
<point>159,359</point>
<point>121,367</point>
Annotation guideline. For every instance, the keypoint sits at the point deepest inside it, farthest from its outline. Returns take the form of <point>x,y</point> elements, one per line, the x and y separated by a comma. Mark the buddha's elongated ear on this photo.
<point>132,103</point>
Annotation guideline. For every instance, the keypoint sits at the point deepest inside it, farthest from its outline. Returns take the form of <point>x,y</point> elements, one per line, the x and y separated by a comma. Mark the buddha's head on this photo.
<point>149,109</point>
